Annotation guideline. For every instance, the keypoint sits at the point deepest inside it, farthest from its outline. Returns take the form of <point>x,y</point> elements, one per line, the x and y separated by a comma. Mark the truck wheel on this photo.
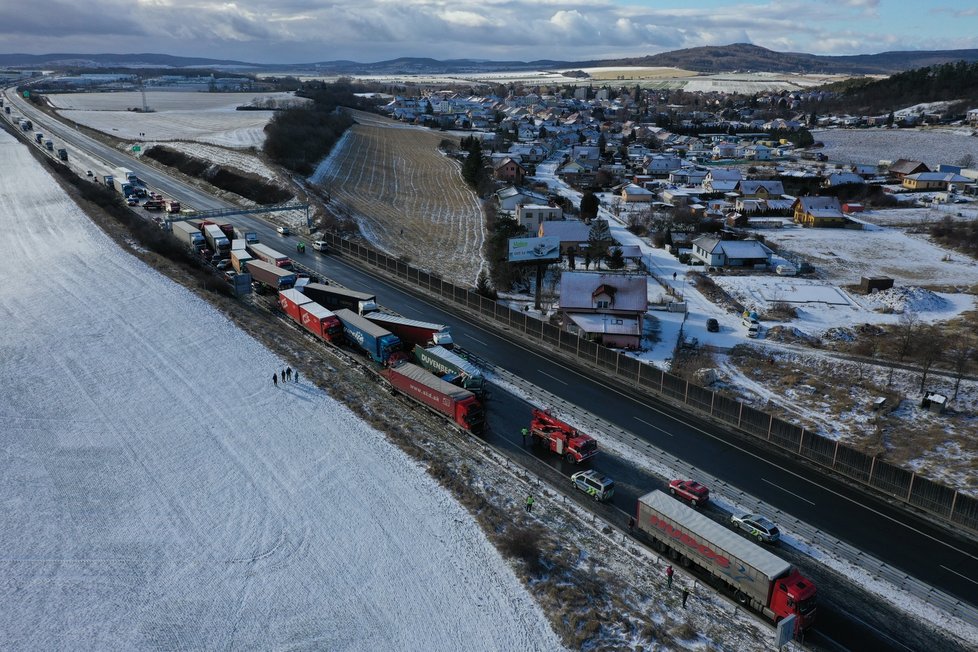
<point>569,459</point>
<point>694,503</point>
<point>672,491</point>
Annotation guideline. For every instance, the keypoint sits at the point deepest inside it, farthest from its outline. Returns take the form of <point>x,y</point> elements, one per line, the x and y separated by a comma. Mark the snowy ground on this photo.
<point>843,256</point>
<point>932,146</point>
<point>164,101</point>
<point>239,160</point>
<point>204,117</point>
<point>159,492</point>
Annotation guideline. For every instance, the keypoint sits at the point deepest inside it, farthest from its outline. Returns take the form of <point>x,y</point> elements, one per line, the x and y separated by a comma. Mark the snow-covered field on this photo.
<point>843,256</point>
<point>203,117</point>
<point>159,493</point>
<point>223,156</point>
<point>164,100</point>
<point>932,146</point>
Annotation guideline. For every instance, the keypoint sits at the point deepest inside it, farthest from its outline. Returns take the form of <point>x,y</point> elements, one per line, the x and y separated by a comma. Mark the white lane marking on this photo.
<point>636,401</point>
<point>469,337</point>
<point>959,574</point>
<point>552,377</point>
<point>652,425</point>
<point>786,491</point>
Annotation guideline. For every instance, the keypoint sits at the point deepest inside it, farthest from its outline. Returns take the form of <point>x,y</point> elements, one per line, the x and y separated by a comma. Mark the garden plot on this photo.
<point>407,198</point>
<point>843,256</point>
<point>873,145</point>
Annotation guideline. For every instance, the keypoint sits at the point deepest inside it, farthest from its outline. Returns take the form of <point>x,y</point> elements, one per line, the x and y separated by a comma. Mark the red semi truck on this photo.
<point>321,322</point>
<point>459,405</point>
<point>316,319</point>
<point>562,438</point>
<point>759,579</point>
<point>413,332</point>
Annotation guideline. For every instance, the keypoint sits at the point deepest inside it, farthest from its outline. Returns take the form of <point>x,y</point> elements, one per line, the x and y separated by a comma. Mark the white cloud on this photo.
<point>373,30</point>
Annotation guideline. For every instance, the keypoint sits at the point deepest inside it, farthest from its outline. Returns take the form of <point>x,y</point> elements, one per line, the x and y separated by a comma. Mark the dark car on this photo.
<point>712,325</point>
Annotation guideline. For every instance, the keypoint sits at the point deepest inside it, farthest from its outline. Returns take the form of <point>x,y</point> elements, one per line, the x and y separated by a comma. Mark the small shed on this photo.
<point>934,402</point>
<point>875,283</point>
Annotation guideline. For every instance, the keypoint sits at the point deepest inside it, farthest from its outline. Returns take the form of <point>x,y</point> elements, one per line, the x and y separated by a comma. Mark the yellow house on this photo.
<point>819,212</point>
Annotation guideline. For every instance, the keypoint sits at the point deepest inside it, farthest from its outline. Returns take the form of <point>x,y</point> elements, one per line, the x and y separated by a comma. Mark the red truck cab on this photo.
<point>561,438</point>
<point>794,594</point>
<point>690,490</point>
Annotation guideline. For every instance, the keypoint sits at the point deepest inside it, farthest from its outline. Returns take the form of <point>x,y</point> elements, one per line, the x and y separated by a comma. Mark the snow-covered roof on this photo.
<point>577,288</point>
<point>739,249</point>
<point>611,324</point>
<point>566,230</point>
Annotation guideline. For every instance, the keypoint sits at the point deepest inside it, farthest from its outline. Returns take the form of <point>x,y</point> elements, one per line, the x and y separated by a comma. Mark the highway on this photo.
<point>911,544</point>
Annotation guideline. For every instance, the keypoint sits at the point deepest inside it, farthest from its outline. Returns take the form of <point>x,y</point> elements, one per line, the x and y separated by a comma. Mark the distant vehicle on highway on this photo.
<point>88,173</point>
<point>283,230</point>
<point>132,201</point>
<point>712,325</point>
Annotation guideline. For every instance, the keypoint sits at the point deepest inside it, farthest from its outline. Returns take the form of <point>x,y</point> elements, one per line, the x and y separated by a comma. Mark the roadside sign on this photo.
<point>137,148</point>
<point>534,249</point>
<point>786,631</point>
<point>27,93</point>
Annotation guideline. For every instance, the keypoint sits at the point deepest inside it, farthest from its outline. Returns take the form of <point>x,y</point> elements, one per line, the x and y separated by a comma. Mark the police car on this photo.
<point>594,484</point>
<point>757,526</point>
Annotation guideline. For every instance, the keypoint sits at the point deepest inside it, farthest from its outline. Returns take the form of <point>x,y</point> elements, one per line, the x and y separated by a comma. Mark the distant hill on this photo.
<point>145,60</point>
<point>744,56</point>
<point>956,83</point>
<point>711,59</point>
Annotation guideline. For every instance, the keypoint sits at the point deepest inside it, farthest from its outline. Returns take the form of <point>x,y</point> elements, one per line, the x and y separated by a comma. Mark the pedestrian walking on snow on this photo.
<point>525,433</point>
<point>668,577</point>
<point>275,379</point>
<point>529,504</point>
<point>297,376</point>
<point>674,276</point>
<point>288,373</point>
<point>685,595</point>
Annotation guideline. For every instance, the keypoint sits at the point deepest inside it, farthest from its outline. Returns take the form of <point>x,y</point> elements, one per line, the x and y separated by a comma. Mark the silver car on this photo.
<point>594,484</point>
<point>758,527</point>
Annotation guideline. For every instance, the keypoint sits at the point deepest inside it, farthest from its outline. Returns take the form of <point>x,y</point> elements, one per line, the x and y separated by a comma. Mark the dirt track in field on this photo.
<point>407,197</point>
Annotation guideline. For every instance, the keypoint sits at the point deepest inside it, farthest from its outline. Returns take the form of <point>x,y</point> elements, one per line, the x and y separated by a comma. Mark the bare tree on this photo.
<point>907,327</point>
<point>962,353</point>
<point>928,350</point>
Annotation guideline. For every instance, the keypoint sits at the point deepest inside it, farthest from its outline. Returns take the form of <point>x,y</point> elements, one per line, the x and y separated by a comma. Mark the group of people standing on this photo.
<point>287,376</point>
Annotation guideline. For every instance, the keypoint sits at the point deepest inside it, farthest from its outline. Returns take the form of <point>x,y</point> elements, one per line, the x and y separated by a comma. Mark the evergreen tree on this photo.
<point>615,259</point>
<point>589,206</point>
<point>599,239</point>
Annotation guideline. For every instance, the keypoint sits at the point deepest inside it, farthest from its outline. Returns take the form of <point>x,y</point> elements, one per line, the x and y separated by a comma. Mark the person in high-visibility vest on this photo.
<point>529,503</point>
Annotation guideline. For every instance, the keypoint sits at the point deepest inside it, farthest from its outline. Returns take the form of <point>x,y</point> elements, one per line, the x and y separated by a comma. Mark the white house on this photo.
<point>731,253</point>
<point>532,215</point>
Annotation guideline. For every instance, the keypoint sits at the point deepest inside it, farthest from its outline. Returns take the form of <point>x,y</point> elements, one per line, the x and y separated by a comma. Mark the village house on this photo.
<point>510,170</point>
<point>932,180</point>
<point>722,180</point>
<point>837,179</point>
<point>902,167</point>
<point>531,216</point>
<point>571,233</point>
<point>605,308</point>
<point>819,212</point>
<point>632,193</point>
<point>731,253</point>
<point>726,149</point>
<point>758,152</point>
<point>759,189</point>
<point>508,198</point>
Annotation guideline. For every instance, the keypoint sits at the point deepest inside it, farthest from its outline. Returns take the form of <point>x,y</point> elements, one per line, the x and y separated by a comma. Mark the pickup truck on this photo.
<point>689,490</point>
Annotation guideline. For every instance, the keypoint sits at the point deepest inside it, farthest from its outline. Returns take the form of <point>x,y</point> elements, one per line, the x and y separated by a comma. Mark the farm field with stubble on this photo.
<point>408,198</point>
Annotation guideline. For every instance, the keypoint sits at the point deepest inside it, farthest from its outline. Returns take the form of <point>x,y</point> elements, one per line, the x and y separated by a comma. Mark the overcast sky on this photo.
<point>300,31</point>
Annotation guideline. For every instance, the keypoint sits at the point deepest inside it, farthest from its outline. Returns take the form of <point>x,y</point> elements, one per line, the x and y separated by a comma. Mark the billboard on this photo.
<point>523,250</point>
